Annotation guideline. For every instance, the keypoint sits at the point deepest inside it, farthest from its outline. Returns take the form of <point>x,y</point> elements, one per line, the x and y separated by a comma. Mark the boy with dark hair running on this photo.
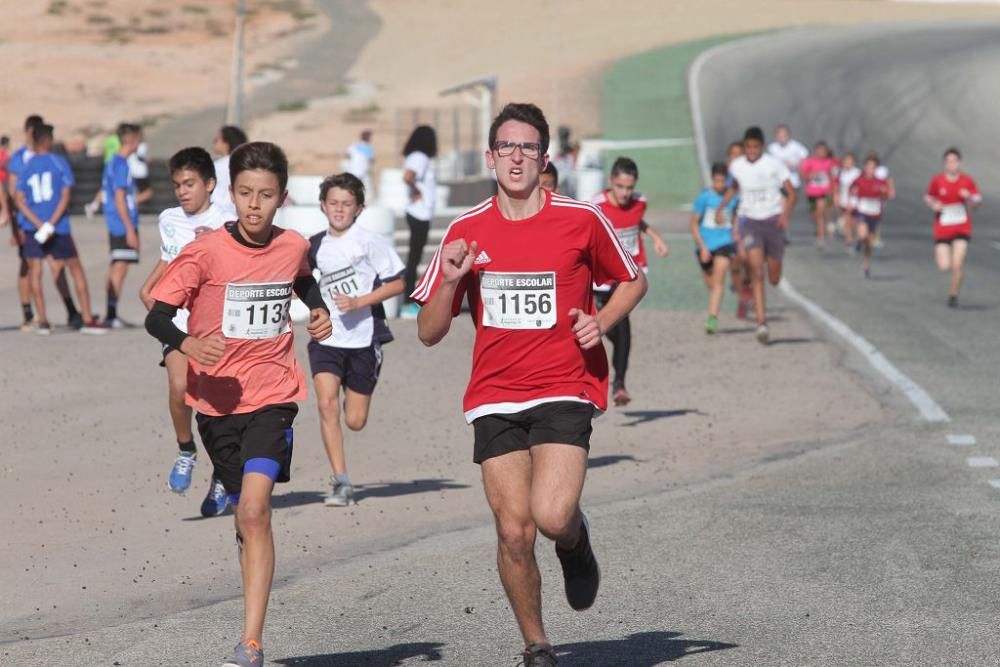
<point>866,198</point>
<point>244,381</point>
<point>526,260</point>
<point>714,247</point>
<point>227,140</point>
<point>193,176</point>
<point>625,207</point>
<point>952,194</point>
<point>767,198</point>
<point>358,271</point>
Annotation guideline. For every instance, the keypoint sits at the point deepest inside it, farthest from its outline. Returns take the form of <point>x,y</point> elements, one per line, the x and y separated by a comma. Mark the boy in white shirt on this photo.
<point>194,179</point>
<point>767,198</point>
<point>358,271</point>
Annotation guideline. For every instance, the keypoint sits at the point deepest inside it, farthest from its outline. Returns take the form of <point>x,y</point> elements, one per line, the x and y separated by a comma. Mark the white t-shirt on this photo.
<point>423,168</point>
<point>791,155</point>
<point>220,195</point>
<point>844,180</point>
<point>760,186</point>
<point>359,159</point>
<point>349,264</point>
<point>882,172</point>
<point>177,229</point>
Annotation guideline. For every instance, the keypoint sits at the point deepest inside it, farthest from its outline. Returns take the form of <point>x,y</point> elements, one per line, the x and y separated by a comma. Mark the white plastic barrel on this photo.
<point>589,183</point>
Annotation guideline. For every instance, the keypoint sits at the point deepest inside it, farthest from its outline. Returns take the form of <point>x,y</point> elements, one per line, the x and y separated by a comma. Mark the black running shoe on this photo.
<point>953,301</point>
<point>75,322</point>
<point>539,655</point>
<point>580,571</point>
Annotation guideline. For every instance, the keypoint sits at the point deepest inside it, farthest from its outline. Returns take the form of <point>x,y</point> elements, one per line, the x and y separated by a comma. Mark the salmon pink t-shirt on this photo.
<point>242,292</point>
<point>817,172</point>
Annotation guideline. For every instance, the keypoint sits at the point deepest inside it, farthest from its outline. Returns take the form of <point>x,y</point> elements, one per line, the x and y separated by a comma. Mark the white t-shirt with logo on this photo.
<point>349,264</point>
<point>177,229</point>
<point>220,195</point>
<point>760,186</point>
<point>844,179</point>
<point>423,169</point>
<point>791,155</point>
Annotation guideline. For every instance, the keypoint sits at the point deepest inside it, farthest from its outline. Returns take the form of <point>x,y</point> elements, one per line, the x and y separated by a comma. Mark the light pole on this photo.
<point>234,110</point>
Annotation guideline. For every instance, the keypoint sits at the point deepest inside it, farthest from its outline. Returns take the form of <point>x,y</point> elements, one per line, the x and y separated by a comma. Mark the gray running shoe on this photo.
<point>539,655</point>
<point>341,495</point>
<point>246,654</point>
<point>763,335</point>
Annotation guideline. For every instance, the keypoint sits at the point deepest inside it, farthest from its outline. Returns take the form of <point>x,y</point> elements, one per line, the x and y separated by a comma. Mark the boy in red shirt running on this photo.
<point>866,198</point>
<point>952,195</point>
<point>243,379</point>
<point>526,261</point>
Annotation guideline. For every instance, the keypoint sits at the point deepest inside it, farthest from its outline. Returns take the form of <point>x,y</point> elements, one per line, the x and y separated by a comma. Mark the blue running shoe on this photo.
<point>180,474</point>
<point>216,500</point>
<point>247,654</point>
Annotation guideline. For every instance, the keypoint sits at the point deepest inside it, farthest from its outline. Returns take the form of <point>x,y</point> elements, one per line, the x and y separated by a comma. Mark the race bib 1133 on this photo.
<point>256,310</point>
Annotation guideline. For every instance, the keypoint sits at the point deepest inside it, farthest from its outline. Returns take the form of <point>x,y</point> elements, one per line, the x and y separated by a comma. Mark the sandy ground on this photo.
<point>87,64</point>
<point>94,537</point>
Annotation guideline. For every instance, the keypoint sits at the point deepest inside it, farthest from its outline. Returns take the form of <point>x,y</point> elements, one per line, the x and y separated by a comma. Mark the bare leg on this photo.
<point>356,408</point>
<point>959,249</point>
<point>864,236</point>
<point>755,258</point>
<point>557,476</point>
<point>328,400</point>
<point>116,280</point>
<point>180,412</point>
<point>253,522</point>
<point>718,284</point>
<point>942,256</point>
<point>507,482</point>
<point>82,290</point>
<point>37,293</point>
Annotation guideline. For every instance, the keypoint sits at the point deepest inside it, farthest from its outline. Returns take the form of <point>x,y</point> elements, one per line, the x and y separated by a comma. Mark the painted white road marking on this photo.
<point>982,462</point>
<point>995,483</point>
<point>961,439</point>
<point>926,406</point>
<point>995,244</point>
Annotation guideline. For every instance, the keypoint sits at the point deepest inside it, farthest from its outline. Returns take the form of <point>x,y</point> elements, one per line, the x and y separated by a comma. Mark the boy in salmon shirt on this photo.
<point>243,378</point>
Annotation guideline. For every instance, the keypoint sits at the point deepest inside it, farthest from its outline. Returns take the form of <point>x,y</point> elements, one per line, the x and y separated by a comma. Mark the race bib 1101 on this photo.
<point>256,310</point>
<point>342,281</point>
<point>518,300</point>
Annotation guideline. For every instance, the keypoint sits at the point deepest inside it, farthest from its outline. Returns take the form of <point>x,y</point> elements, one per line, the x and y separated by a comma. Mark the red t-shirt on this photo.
<point>954,219</point>
<point>868,194</point>
<point>627,222</point>
<point>243,293</point>
<point>526,278</point>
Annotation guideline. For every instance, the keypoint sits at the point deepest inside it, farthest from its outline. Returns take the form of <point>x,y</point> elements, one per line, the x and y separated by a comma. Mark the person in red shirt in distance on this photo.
<point>526,260</point>
<point>866,199</point>
<point>952,195</point>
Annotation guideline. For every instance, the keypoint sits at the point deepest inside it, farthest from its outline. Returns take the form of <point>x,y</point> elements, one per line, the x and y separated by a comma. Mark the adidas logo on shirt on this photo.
<point>482,258</point>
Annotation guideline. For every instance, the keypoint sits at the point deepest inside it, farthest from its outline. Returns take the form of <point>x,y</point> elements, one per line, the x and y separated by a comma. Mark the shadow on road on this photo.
<point>644,649</point>
<point>387,657</point>
<point>610,460</point>
<point>735,330</point>
<point>393,489</point>
<point>645,416</point>
<point>792,341</point>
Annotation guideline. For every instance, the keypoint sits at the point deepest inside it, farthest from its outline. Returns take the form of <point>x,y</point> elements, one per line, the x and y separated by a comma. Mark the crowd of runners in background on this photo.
<point>545,276</point>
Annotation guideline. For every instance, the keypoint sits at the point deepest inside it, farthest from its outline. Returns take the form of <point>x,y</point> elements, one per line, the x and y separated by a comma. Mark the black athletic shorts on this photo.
<point>120,252</point>
<point>724,251</point>
<point>957,237</point>
<point>559,422</point>
<point>357,369</point>
<point>232,440</point>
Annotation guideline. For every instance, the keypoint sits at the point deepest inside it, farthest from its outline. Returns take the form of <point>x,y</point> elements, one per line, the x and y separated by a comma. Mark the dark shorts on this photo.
<point>358,369</point>
<point>827,198</point>
<point>871,221</point>
<point>120,252</point>
<point>59,246</point>
<point>232,440</point>
<point>957,237</point>
<point>559,422</point>
<point>765,234</point>
<point>725,251</point>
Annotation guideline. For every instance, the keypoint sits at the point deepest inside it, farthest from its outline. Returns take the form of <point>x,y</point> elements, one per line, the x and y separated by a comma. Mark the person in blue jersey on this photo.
<point>714,245</point>
<point>121,213</point>
<point>43,191</point>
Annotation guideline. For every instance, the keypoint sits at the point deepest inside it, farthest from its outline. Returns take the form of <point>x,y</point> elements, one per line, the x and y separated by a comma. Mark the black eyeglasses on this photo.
<point>529,150</point>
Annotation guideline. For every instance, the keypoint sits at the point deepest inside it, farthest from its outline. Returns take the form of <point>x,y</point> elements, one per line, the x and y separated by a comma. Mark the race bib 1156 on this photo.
<point>518,300</point>
<point>256,310</point>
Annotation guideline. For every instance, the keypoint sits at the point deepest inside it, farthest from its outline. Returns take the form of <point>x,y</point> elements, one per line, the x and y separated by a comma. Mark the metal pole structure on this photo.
<point>234,110</point>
